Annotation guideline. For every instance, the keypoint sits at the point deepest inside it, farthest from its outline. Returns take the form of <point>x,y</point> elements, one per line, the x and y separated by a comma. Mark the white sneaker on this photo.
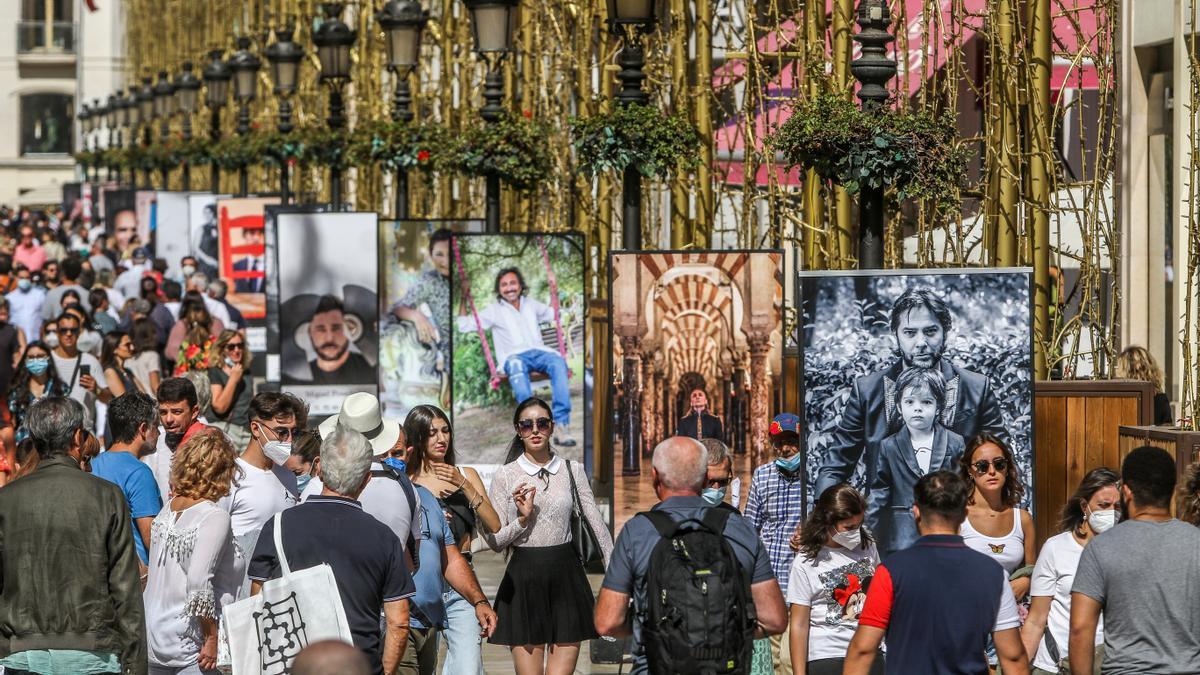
<point>562,436</point>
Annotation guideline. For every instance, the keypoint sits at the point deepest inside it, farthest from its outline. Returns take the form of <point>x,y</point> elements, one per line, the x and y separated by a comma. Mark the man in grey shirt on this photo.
<point>1144,576</point>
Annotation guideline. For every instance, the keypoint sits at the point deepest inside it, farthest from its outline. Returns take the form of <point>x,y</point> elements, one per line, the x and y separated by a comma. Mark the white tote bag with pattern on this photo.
<point>267,631</point>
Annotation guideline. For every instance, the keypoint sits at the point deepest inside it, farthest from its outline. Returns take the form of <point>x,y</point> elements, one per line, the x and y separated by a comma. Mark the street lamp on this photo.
<point>402,22</point>
<point>84,115</point>
<point>145,99</point>
<point>334,39</point>
<point>631,19</point>
<point>216,78</point>
<point>164,107</point>
<point>245,66</point>
<point>284,56</point>
<point>873,69</point>
<point>493,23</point>
<point>116,120</point>
<point>187,91</point>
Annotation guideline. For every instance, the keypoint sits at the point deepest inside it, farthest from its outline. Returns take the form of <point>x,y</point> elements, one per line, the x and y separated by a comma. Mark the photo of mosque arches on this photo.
<point>697,349</point>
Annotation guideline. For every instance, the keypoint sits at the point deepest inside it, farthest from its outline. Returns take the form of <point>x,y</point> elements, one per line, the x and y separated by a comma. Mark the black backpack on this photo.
<point>699,617</point>
<point>410,494</point>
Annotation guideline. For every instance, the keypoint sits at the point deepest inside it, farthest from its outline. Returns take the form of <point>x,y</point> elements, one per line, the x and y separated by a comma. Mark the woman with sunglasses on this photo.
<point>232,386</point>
<point>1094,508</point>
<point>460,493</point>
<point>544,603</point>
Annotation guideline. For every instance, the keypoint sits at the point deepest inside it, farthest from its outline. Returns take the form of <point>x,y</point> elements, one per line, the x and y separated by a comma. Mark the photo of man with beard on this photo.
<point>330,334</point>
<point>920,323</point>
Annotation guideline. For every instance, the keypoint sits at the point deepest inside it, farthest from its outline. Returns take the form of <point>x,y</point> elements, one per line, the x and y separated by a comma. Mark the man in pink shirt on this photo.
<point>29,252</point>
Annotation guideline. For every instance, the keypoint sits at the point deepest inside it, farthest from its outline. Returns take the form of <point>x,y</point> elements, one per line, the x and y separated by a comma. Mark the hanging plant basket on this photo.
<point>234,152</point>
<point>515,149</point>
<point>916,155</point>
<point>635,135</point>
<point>321,146</point>
<point>400,145</point>
<point>194,151</point>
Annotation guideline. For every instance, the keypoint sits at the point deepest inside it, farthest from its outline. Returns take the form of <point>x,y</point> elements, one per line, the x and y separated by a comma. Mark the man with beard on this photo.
<point>698,424</point>
<point>920,322</point>
<point>335,363</point>
<point>515,321</point>
<point>179,415</point>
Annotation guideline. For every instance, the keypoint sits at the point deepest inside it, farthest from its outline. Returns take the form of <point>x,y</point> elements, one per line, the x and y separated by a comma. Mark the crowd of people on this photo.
<point>205,488</point>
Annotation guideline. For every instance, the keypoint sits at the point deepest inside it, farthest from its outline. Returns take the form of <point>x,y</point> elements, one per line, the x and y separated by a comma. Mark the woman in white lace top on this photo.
<point>544,603</point>
<point>192,570</point>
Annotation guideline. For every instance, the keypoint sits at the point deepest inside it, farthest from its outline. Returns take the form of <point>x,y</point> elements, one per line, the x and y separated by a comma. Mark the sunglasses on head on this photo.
<point>981,466</point>
<point>525,427</point>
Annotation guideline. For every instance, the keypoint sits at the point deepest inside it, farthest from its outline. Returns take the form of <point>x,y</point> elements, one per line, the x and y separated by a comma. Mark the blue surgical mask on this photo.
<point>788,464</point>
<point>24,284</point>
<point>397,464</point>
<point>37,366</point>
<point>713,496</point>
<point>302,482</point>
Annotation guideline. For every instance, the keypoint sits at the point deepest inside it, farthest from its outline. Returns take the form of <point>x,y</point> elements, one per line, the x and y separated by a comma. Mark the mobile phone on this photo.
<point>85,370</point>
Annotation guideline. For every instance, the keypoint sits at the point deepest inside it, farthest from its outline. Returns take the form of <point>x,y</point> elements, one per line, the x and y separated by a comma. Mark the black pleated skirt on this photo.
<point>544,598</point>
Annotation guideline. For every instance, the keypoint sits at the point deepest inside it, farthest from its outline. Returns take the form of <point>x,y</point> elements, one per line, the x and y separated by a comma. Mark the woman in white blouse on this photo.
<point>544,603</point>
<point>192,571</point>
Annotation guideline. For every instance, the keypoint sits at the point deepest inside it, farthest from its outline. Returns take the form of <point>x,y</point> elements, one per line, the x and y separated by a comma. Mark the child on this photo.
<point>921,446</point>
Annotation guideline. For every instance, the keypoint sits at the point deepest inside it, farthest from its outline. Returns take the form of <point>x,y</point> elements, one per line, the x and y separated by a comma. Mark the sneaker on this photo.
<point>562,436</point>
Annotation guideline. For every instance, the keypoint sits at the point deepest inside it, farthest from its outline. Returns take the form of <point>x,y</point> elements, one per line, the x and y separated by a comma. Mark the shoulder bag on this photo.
<point>583,539</point>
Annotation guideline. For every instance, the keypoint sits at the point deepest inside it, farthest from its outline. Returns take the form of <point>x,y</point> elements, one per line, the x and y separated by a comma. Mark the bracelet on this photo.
<point>477,603</point>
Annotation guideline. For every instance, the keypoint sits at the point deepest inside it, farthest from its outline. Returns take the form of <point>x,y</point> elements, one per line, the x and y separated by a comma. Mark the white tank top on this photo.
<point>1008,550</point>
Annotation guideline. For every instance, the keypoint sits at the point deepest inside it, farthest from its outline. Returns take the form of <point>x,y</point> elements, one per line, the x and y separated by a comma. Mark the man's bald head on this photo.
<point>330,657</point>
<point>681,464</point>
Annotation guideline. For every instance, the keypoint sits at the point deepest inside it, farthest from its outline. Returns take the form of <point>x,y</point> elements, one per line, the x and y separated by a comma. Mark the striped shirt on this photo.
<point>774,509</point>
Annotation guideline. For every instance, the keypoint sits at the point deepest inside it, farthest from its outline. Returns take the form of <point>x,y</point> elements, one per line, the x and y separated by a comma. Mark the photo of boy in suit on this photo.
<point>921,446</point>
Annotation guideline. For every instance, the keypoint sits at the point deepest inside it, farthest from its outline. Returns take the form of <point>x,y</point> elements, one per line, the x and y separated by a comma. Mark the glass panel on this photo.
<point>42,37</point>
<point>46,124</point>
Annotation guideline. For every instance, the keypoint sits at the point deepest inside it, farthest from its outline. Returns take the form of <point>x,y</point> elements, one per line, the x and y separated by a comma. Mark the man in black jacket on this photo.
<point>698,424</point>
<point>69,588</point>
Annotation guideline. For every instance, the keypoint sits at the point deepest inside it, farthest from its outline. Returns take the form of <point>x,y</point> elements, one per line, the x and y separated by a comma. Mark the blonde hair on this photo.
<point>1189,496</point>
<point>204,466</point>
<point>1135,363</point>
<point>216,355</point>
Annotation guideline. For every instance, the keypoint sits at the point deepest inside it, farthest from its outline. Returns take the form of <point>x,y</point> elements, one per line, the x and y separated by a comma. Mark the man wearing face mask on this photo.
<point>774,507</point>
<point>265,486</point>
<point>25,304</point>
<point>179,416</point>
<point>720,486</point>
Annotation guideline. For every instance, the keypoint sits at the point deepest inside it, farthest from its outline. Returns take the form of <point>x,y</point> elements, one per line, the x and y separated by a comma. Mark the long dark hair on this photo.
<point>837,503</point>
<point>1096,480</point>
<point>517,447</point>
<point>1013,490</point>
<point>108,350</point>
<point>417,428</point>
<point>21,377</point>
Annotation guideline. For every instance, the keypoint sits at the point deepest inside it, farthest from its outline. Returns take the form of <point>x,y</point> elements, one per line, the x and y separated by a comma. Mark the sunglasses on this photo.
<point>68,331</point>
<point>525,427</point>
<point>720,482</point>
<point>999,463</point>
<point>284,433</point>
<point>238,346</point>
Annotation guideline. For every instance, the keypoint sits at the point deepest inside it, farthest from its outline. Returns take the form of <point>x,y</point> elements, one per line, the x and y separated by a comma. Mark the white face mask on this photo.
<point>850,540</point>
<point>277,451</point>
<point>1102,521</point>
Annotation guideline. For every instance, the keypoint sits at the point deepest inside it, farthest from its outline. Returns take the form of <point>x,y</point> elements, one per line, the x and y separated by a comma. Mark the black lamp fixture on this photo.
<point>84,116</point>
<point>164,104</point>
<point>216,81</point>
<point>493,23</point>
<point>334,40</point>
<point>402,21</point>
<point>145,99</point>
<point>187,93</point>
<point>245,66</point>
<point>631,19</point>
<point>285,56</point>
<point>873,69</point>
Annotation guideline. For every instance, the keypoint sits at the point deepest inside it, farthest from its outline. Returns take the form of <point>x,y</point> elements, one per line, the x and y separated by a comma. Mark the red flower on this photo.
<point>527,114</point>
<point>422,155</point>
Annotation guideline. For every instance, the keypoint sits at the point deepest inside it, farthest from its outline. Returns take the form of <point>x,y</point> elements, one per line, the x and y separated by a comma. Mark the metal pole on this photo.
<point>214,135</point>
<point>873,69</point>
<point>632,59</point>
<point>336,120</point>
<point>149,178</point>
<point>401,112</point>
<point>165,135</point>
<point>491,112</point>
<point>187,167</point>
<point>285,126</point>
<point>243,130</point>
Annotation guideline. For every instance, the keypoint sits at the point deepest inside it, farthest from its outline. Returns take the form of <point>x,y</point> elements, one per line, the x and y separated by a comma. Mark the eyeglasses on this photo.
<point>525,427</point>
<point>68,331</point>
<point>283,433</point>
<point>999,463</point>
<point>234,346</point>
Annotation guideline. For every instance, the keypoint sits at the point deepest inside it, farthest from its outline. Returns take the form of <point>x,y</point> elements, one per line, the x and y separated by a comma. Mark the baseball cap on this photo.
<point>140,254</point>
<point>783,423</point>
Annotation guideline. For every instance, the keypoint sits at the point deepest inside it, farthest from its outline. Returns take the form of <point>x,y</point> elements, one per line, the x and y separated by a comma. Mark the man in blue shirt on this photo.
<point>441,563</point>
<point>133,428</point>
<point>680,466</point>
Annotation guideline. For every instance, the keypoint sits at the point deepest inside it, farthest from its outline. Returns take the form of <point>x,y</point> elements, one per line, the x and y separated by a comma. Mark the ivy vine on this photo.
<point>513,148</point>
<point>634,135</point>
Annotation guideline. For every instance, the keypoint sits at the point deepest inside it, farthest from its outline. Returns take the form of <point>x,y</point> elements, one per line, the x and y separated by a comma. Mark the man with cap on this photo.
<point>774,507</point>
<point>389,496</point>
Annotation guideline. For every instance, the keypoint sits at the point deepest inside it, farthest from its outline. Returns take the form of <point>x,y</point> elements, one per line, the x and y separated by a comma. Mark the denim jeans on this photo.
<point>518,367</point>
<point>463,655</point>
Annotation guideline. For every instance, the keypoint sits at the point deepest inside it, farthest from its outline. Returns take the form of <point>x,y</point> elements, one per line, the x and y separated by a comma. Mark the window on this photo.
<point>46,26</point>
<point>46,124</point>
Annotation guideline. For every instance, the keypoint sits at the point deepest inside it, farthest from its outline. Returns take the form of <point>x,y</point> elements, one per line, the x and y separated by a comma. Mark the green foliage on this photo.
<point>914,153</point>
<point>516,149</point>
<point>637,135</point>
<point>233,152</point>
<point>400,145</point>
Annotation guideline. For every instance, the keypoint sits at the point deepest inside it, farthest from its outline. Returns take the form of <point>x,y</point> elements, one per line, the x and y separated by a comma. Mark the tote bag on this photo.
<point>267,631</point>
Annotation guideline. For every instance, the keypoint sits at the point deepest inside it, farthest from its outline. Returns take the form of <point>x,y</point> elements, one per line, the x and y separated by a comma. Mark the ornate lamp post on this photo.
<point>631,19</point>
<point>402,22</point>
<point>284,55</point>
<point>110,123</point>
<point>873,69</point>
<point>216,78</point>
<point>164,107</point>
<point>119,117</point>
<point>85,132</point>
<point>493,23</point>
<point>245,66</point>
<point>133,117</point>
<point>145,99</point>
<point>187,91</point>
<point>334,40</point>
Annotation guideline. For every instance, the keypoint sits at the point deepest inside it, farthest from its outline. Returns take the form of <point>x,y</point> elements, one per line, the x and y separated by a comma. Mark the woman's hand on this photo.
<point>523,497</point>
<point>452,475</point>
<point>236,372</point>
<point>208,654</point>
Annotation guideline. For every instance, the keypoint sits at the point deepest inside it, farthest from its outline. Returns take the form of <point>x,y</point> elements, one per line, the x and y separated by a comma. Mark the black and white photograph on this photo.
<point>901,370</point>
<point>121,217</point>
<point>204,235</point>
<point>171,229</point>
<point>328,308</point>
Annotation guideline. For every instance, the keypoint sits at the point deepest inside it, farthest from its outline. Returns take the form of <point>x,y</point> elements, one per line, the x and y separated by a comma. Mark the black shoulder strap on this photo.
<point>665,525</point>
<point>715,519</point>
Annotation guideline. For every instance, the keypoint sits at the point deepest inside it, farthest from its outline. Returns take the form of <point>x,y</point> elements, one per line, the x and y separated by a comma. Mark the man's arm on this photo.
<point>1085,616</point>
<point>1011,653</point>
<point>396,639</point>
<point>461,577</point>
<point>861,653</point>
<point>849,440</point>
<point>612,615</point>
<point>769,608</point>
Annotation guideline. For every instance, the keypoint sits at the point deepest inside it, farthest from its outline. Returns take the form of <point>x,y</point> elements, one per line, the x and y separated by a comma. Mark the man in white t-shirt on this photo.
<point>79,370</point>
<point>265,487</point>
<point>389,496</point>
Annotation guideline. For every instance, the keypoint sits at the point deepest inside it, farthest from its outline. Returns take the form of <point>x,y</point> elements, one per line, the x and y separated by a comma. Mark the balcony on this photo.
<point>49,40</point>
